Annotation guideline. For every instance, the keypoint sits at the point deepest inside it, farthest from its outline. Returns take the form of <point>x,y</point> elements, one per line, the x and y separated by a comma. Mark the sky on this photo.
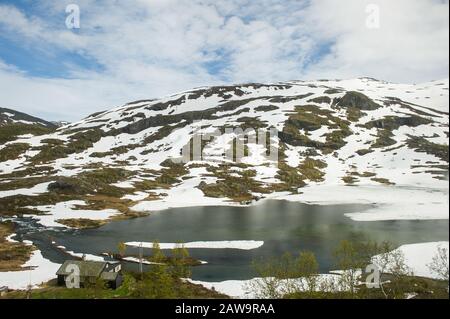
<point>140,49</point>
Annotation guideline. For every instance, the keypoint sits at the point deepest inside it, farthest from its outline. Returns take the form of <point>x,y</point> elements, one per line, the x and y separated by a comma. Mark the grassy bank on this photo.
<point>12,255</point>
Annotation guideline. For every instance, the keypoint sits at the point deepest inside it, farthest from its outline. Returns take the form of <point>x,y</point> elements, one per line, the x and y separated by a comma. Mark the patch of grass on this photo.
<point>290,177</point>
<point>87,183</point>
<point>49,153</point>
<point>13,151</point>
<point>30,171</point>
<point>10,132</point>
<point>364,174</point>
<point>291,135</point>
<point>134,287</point>
<point>12,255</point>
<point>310,118</point>
<point>381,180</point>
<point>354,114</point>
<point>78,143</point>
<point>84,186</point>
<point>363,152</point>
<point>335,139</point>
<point>251,123</point>
<point>170,175</point>
<point>394,122</point>
<point>52,141</point>
<point>81,223</point>
<point>388,124</point>
<point>23,183</point>
<point>350,180</point>
<point>238,188</point>
<point>419,287</point>
<point>332,91</point>
<point>320,100</point>
<point>310,169</point>
<point>105,175</point>
<point>114,151</point>
<point>163,132</point>
<point>266,108</point>
<point>93,187</point>
<point>383,139</point>
<point>101,202</point>
<point>18,204</point>
<point>422,145</point>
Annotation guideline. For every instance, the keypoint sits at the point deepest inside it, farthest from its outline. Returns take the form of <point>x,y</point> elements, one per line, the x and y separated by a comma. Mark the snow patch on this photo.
<point>66,210</point>
<point>41,270</point>
<point>226,244</point>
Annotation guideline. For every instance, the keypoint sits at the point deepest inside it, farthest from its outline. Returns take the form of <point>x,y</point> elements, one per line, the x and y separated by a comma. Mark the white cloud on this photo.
<point>411,44</point>
<point>73,99</point>
<point>157,47</point>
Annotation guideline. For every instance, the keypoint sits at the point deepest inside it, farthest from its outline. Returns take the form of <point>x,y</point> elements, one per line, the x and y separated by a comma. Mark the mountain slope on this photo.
<point>349,132</point>
<point>9,116</point>
<point>14,124</point>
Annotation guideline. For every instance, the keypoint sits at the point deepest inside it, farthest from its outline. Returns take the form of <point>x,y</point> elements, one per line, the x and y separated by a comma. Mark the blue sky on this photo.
<point>150,48</point>
<point>43,60</point>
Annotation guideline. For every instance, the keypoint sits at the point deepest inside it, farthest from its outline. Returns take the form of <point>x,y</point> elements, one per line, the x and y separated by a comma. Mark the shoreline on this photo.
<point>341,194</point>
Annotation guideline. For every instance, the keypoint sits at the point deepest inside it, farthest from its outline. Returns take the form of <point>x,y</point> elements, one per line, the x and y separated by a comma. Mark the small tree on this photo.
<point>439,264</point>
<point>267,285</point>
<point>286,276</point>
<point>392,261</point>
<point>180,262</point>
<point>158,256</point>
<point>122,248</point>
<point>159,280</point>
<point>351,257</point>
<point>129,286</point>
<point>308,270</point>
<point>288,273</point>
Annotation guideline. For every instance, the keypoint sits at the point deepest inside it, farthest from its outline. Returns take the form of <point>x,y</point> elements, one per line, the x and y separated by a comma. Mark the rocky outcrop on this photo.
<point>356,100</point>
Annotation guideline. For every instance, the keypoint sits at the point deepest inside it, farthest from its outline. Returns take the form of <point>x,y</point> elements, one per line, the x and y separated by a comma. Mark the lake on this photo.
<point>283,226</point>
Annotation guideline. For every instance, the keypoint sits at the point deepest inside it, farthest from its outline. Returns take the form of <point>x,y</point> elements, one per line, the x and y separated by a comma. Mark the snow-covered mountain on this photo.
<point>60,123</point>
<point>9,116</point>
<point>330,132</point>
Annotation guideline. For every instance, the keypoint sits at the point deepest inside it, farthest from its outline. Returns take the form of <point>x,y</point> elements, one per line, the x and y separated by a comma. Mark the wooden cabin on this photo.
<point>91,272</point>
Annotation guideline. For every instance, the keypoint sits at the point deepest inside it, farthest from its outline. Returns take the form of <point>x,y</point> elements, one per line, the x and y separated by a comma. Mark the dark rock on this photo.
<point>356,100</point>
<point>321,99</point>
<point>266,108</point>
<point>394,122</point>
<point>332,91</point>
<point>66,187</point>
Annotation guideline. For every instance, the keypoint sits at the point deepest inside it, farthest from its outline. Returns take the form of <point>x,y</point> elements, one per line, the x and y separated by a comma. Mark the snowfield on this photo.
<point>231,244</point>
<point>392,202</point>
<point>419,256</point>
<point>36,190</point>
<point>41,270</point>
<point>385,145</point>
<point>66,210</point>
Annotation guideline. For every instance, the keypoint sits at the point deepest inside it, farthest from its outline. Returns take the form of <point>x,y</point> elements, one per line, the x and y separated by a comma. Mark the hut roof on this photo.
<point>87,268</point>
